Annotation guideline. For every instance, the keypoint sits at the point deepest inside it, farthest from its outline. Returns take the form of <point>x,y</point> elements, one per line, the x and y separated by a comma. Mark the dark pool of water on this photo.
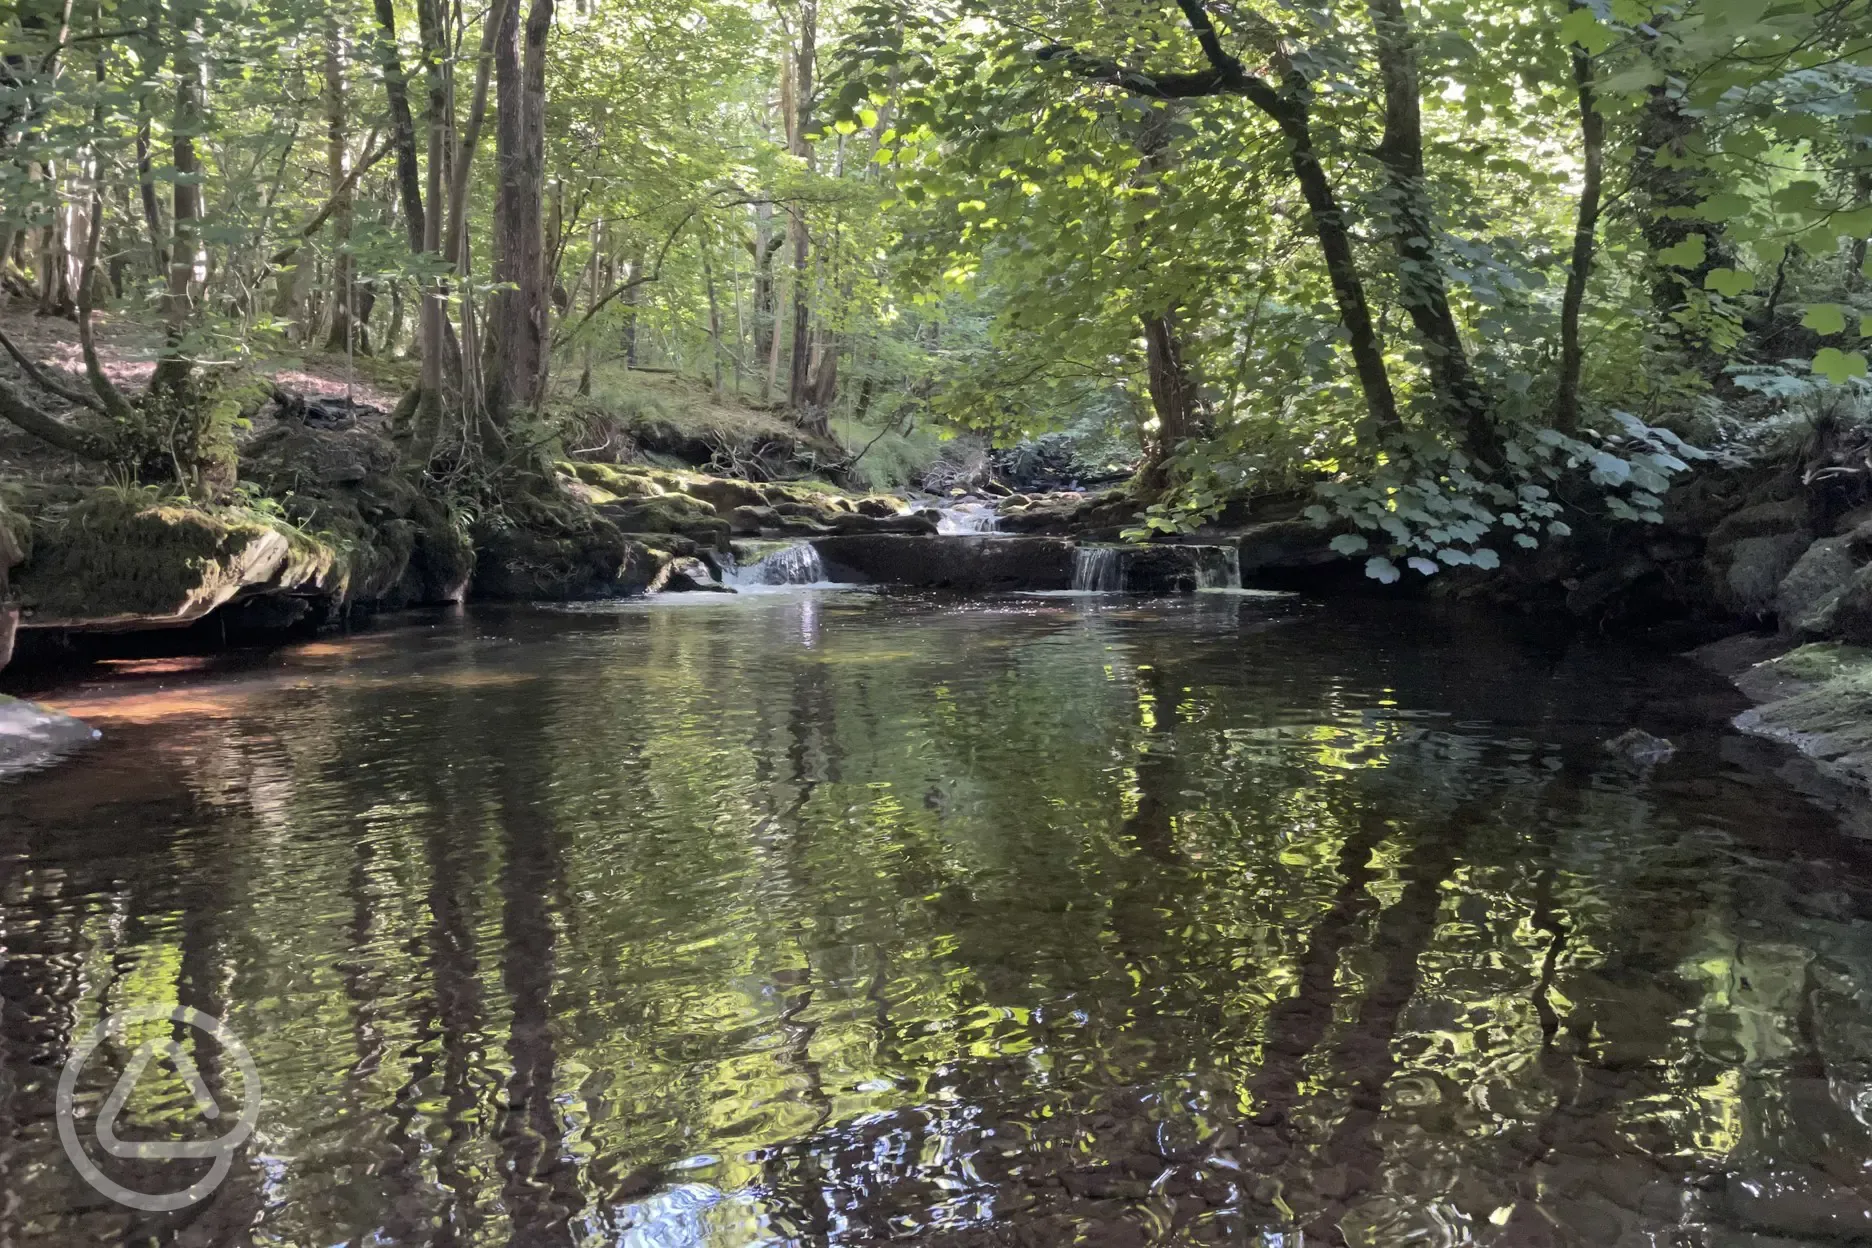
<point>833,918</point>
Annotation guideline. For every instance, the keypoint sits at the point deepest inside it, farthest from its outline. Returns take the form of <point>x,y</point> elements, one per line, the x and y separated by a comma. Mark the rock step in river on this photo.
<point>978,563</point>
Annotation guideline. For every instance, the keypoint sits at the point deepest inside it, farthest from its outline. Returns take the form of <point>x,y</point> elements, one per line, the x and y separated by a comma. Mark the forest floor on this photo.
<point>127,348</point>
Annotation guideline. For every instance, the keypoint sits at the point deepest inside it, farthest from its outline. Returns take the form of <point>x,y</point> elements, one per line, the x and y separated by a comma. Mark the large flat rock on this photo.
<point>966,562</point>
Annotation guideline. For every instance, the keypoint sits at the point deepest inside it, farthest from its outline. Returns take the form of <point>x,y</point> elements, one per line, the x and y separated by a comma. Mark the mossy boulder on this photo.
<point>881,506</point>
<point>616,481</point>
<point>723,494</point>
<point>1814,582</point>
<point>123,559</point>
<point>516,563</point>
<point>1824,711</point>
<point>669,513</point>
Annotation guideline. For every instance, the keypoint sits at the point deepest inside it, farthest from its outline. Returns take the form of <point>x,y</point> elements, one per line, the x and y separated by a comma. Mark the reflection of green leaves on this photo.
<point>1825,318</point>
<point>1839,367</point>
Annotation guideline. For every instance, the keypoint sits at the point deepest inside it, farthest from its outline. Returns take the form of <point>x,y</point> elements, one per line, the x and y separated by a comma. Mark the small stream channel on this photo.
<point>811,917</point>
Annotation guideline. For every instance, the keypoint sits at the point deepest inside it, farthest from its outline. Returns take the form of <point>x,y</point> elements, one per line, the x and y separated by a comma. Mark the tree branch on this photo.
<point>655,275</point>
<point>331,205</point>
<point>115,405</point>
<point>44,382</point>
<point>15,408</point>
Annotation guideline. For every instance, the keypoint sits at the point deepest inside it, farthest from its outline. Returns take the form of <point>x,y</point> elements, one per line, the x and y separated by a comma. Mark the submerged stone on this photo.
<point>33,736</point>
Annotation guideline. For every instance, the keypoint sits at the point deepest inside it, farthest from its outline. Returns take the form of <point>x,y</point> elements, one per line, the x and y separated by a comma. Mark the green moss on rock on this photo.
<point>118,557</point>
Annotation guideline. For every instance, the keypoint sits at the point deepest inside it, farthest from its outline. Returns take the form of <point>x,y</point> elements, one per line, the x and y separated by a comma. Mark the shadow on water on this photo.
<point>838,918</point>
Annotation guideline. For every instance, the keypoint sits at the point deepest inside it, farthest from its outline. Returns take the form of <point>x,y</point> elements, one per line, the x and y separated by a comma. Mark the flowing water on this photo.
<point>812,918</point>
<point>968,518</point>
<point>792,564</point>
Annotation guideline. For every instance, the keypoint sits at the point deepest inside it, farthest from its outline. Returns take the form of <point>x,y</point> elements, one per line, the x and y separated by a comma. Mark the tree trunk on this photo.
<point>799,124</point>
<point>1174,394</point>
<point>517,314</point>
<point>338,172</point>
<point>1421,284</point>
<point>432,307</point>
<point>1585,233</point>
<point>1664,128</point>
<point>714,315</point>
<point>174,368</point>
<point>1329,226</point>
<point>146,189</point>
<point>402,124</point>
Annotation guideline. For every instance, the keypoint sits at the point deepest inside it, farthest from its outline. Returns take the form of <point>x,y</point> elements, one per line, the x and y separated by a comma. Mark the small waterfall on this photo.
<point>968,518</point>
<point>1099,569</point>
<point>1166,569</point>
<point>797,564</point>
<point>1218,567</point>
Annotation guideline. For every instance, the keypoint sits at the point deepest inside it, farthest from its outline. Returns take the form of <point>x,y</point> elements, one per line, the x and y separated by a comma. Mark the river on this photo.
<point>831,917</point>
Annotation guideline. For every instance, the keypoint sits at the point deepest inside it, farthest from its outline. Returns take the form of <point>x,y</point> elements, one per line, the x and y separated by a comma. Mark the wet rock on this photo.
<point>861,523</point>
<point>1821,705</point>
<point>1798,1204</point>
<point>516,564</point>
<point>967,562</point>
<point>685,575</point>
<point>32,736</point>
<point>1845,614</point>
<point>1284,544</point>
<point>1640,747</point>
<point>1815,579</point>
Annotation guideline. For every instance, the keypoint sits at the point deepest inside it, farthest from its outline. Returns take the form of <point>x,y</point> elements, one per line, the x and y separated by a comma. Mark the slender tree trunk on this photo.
<point>432,310</point>
<point>146,190</point>
<point>1585,233</point>
<point>799,120</point>
<point>517,315</point>
<point>185,247</point>
<point>633,269</point>
<point>338,172</point>
<point>1329,226</point>
<point>714,314</point>
<point>1422,287</point>
<point>402,124</point>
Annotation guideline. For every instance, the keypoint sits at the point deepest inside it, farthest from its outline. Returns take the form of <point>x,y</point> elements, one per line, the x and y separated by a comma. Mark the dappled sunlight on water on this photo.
<point>841,917</point>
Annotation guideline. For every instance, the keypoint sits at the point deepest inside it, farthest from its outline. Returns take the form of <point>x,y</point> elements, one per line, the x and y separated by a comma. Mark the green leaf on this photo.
<point>1825,318</point>
<point>1839,367</point>
<point>1581,27</point>
<point>1350,543</point>
<point>1734,15</point>
<point>1687,254</point>
<point>1728,282</point>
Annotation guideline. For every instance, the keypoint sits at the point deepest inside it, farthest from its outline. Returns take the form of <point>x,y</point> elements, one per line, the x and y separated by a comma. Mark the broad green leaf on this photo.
<point>1687,254</point>
<point>1825,318</point>
<point>1839,367</point>
<point>1728,282</point>
<point>1581,27</point>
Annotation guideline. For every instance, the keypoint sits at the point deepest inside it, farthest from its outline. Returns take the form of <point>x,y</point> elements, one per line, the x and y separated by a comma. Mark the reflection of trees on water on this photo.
<point>987,929</point>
